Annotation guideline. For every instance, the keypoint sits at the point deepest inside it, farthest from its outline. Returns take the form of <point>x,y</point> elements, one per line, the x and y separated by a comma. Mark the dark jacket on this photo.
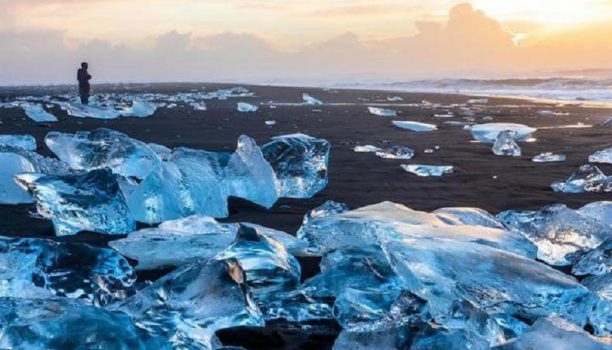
<point>83,78</point>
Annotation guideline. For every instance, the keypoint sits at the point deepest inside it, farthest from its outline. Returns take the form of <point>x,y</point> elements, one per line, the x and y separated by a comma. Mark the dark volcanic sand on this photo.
<point>357,179</point>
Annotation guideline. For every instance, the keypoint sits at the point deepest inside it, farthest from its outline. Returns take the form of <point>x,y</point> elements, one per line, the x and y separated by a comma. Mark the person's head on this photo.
<point>84,65</point>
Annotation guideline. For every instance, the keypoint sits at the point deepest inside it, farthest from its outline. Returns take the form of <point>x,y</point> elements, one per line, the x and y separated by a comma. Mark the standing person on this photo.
<point>84,88</point>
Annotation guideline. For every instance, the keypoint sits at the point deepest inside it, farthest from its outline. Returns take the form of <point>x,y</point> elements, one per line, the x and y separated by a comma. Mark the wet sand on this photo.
<point>480,180</point>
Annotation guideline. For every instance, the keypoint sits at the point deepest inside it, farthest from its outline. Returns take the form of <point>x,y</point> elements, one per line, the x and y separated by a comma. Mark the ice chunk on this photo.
<point>488,132</point>
<point>548,157</point>
<point>477,101</point>
<point>558,231</point>
<point>37,113</point>
<point>270,122</point>
<point>394,98</point>
<point>246,107</point>
<point>325,209</point>
<point>554,333</point>
<point>140,109</point>
<point>198,106</point>
<point>496,282</point>
<point>295,306</point>
<point>600,316</point>
<point>94,110</point>
<point>191,303</point>
<point>382,112</point>
<point>376,223</point>
<point>41,164</point>
<point>601,211</point>
<point>310,101</point>
<point>414,126</point>
<point>595,262</point>
<point>366,149</point>
<point>588,178</point>
<point>69,324</point>
<point>386,340</point>
<point>505,145</point>
<point>300,164</point>
<point>427,170</point>
<point>27,142</point>
<point>468,216</point>
<point>603,156</point>
<point>104,148</point>
<point>249,176</point>
<point>396,152</point>
<point>81,202</point>
<point>268,267</point>
<point>10,192</point>
<point>40,268</point>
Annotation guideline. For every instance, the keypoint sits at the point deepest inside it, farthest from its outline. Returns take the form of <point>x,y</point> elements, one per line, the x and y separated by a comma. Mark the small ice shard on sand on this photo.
<point>554,333</point>
<point>40,268</point>
<point>603,156</point>
<point>104,148</point>
<point>300,164</point>
<point>140,109</point>
<point>366,149</point>
<point>191,303</point>
<point>80,202</point>
<point>27,142</point>
<point>62,323</point>
<point>37,113</point>
<point>427,170</point>
<point>548,157</point>
<point>394,98</point>
<point>382,112</point>
<point>558,231</point>
<point>588,178</point>
<point>595,262</point>
<point>270,122</point>
<point>505,145</point>
<point>477,101</point>
<point>601,317</point>
<point>414,126</point>
<point>268,267</point>
<point>488,132</point>
<point>311,101</point>
<point>396,152</point>
<point>246,107</point>
<point>325,209</point>
<point>435,270</point>
<point>13,164</point>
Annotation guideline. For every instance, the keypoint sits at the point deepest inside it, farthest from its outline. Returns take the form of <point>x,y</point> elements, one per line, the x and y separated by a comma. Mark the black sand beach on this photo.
<point>481,179</point>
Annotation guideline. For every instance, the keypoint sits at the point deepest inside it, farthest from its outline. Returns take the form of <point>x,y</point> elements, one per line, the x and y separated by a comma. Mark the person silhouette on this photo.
<point>84,88</point>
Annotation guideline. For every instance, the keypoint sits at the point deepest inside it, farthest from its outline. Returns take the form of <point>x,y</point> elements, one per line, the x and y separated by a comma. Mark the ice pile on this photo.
<point>603,156</point>
<point>588,178</point>
<point>548,157</point>
<point>427,170</point>
<point>414,126</point>
<point>488,133</point>
<point>382,112</point>
<point>246,107</point>
<point>396,152</point>
<point>505,145</point>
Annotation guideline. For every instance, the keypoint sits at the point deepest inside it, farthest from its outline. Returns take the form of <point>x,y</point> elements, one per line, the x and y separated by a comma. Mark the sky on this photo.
<point>42,41</point>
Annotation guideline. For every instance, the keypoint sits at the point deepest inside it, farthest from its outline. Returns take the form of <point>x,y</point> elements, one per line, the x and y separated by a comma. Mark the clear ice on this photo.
<point>588,178</point>
<point>382,112</point>
<point>427,170</point>
<point>595,262</point>
<point>603,156</point>
<point>396,152</point>
<point>505,145</point>
<point>366,149</point>
<point>300,164</point>
<point>37,113</point>
<point>414,126</point>
<point>80,202</point>
<point>488,132</point>
<point>27,142</point>
<point>311,101</point>
<point>34,268</point>
<point>246,107</point>
<point>600,317</point>
<point>548,157</point>
<point>13,164</point>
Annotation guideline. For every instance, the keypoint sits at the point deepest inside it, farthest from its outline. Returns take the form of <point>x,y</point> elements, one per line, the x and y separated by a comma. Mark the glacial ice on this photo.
<point>104,148</point>
<point>59,324</point>
<point>603,156</point>
<point>505,145</point>
<point>325,209</point>
<point>27,142</point>
<point>386,340</point>
<point>414,126</point>
<point>468,216</point>
<point>396,152</point>
<point>588,178</point>
<point>595,262</point>
<point>488,132</point>
<point>601,211</point>
<point>13,164</point>
<point>41,164</point>
<point>600,318</point>
<point>554,333</point>
<point>80,202</point>
<point>40,268</point>
<point>94,110</point>
<point>427,170</point>
<point>139,108</point>
<point>366,149</point>
<point>382,112</point>
<point>246,107</point>
<point>311,101</point>
<point>496,281</point>
<point>37,113</point>
<point>300,164</point>
<point>268,267</point>
<point>548,157</point>
<point>190,304</point>
<point>558,231</point>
